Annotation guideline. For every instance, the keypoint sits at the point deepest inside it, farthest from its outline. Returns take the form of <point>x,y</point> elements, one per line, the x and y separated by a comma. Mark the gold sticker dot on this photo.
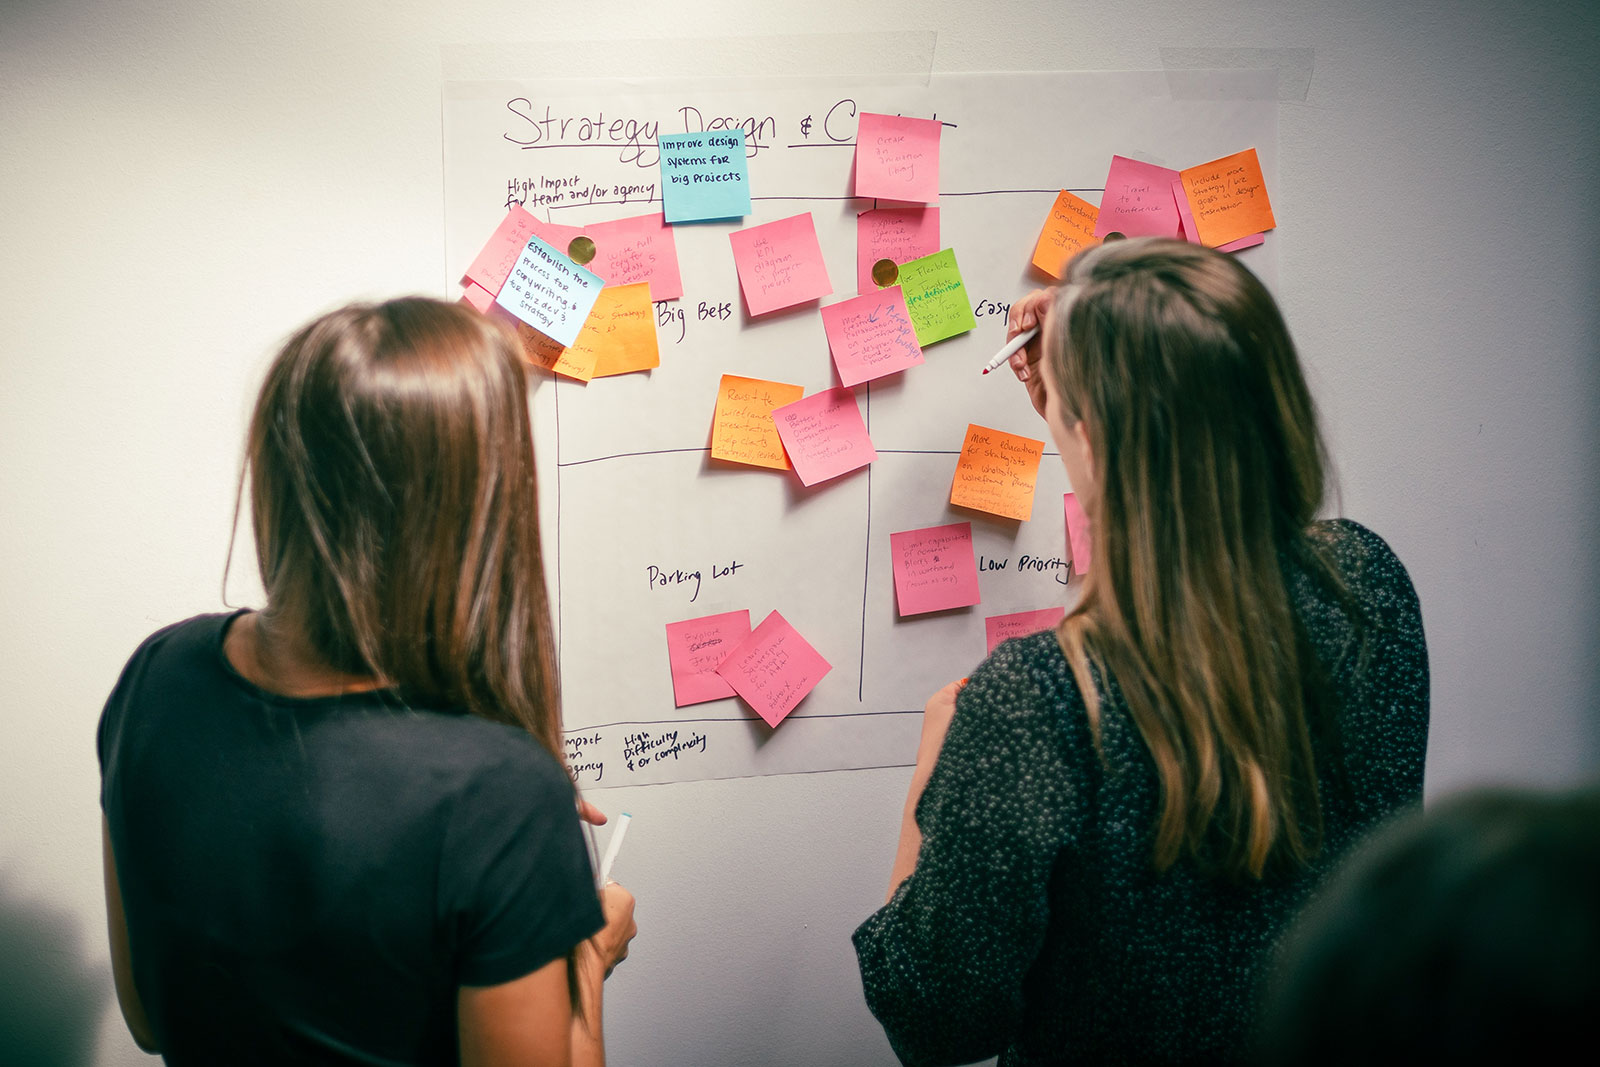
<point>885,272</point>
<point>581,250</point>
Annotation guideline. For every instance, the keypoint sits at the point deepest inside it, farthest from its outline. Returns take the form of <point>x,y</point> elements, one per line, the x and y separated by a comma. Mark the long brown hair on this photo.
<point>1208,472</point>
<point>391,473</point>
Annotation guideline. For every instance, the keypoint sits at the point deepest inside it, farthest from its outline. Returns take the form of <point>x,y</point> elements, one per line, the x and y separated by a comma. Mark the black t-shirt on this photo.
<point>311,880</point>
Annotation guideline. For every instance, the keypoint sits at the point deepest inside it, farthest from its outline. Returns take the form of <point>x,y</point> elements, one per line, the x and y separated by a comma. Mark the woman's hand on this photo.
<point>609,947</point>
<point>1025,314</point>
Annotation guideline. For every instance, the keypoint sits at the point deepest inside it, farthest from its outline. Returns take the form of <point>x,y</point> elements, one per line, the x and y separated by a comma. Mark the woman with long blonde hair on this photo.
<point>340,829</point>
<point>1111,824</point>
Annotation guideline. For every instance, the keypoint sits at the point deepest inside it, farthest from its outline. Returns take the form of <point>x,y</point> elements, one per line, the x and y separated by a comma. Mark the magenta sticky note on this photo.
<point>1077,534</point>
<point>1002,628</point>
<point>898,234</point>
<point>824,435</point>
<point>773,669</point>
<point>696,647</point>
<point>478,297</point>
<point>780,264</point>
<point>1138,200</point>
<point>897,158</point>
<point>871,336</point>
<point>1248,241</point>
<point>501,252</point>
<point>934,568</point>
<point>1186,227</point>
<point>639,249</point>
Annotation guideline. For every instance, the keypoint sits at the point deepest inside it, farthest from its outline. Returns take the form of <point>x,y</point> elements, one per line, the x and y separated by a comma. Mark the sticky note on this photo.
<point>742,430</point>
<point>1077,534</point>
<point>1186,227</point>
<point>1002,628</point>
<point>1242,243</point>
<point>934,568</point>
<point>696,647</point>
<point>639,249</point>
<point>871,336</point>
<point>571,361</point>
<point>824,435</point>
<point>1229,198</point>
<point>897,158</point>
<point>997,472</point>
<point>1138,200</point>
<point>620,331</point>
<point>897,234</point>
<point>478,297</point>
<point>773,669</point>
<point>1068,230</point>
<point>780,264</point>
<point>549,292</point>
<point>501,252</point>
<point>703,175</point>
<point>935,298</point>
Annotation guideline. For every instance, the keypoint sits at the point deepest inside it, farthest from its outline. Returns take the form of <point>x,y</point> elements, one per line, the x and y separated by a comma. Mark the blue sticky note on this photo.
<point>549,292</point>
<point>703,175</point>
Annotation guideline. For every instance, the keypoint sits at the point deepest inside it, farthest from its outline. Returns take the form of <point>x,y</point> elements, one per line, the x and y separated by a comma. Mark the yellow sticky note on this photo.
<point>1229,198</point>
<point>622,330</point>
<point>1068,230</point>
<point>997,473</point>
<point>742,430</point>
<point>541,351</point>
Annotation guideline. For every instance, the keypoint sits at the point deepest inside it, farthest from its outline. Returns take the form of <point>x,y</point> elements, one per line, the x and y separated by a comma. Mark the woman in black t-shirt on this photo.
<point>339,829</point>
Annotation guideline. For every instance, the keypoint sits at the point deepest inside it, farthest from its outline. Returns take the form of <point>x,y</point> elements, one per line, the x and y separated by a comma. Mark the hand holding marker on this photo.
<point>613,846</point>
<point>1011,346</point>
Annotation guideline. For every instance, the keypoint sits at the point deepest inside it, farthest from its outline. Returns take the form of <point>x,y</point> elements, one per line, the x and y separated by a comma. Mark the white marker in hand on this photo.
<point>1011,347</point>
<point>614,845</point>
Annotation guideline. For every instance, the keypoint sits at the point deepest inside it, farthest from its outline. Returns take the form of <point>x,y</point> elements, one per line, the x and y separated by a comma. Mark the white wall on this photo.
<point>184,182</point>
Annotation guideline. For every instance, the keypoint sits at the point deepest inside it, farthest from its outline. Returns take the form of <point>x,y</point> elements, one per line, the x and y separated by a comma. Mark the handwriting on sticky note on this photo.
<point>1229,198</point>
<point>780,264</point>
<point>773,669</point>
<point>501,252</point>
<point>934,568</point>
<point>1077,534</point>
<point>742,430</point>
<point>639,249</point>
<point>996,473</point>
<point>1138,200</point>
<point>824,435</point>
<point>897,158</point>
<point>897,234</point>
<point>621,331</point>
<point>1068,230</point>
<point>1002,628</point>
<point>935,297</point>
<point>703,175</point>
<point>568,360</point>
<point>696,647</point>
<point>871,336</point>
<point>549,292</point>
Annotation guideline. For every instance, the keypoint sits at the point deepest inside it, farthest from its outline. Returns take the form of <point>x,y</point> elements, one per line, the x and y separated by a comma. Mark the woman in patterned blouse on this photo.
<point>1109,828</point>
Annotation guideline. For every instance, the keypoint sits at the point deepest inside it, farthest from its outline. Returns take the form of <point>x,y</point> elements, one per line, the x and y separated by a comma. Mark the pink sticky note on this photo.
<point>773,669</point>
<point>502,250</point>
<point>871,336</point>
<point>1077,534</point>
<point>1244,242</point>
<point>824,435</point>
<point>898,234</point>
<point>780,264</point>
<point>640,249</point>
<point>897,158</point>
<point>1186,228</point>
<point>934,568</point>
<point>478,297</point>
<point>1002,628</point>
<point>1138,200</point>
<point>696,647</point>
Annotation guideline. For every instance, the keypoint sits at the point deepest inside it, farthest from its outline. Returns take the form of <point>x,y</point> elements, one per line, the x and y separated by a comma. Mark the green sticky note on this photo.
<point>935,297</point>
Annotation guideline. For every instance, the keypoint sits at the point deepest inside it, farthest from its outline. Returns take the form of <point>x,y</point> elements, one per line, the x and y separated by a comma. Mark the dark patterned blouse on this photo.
<point>1034,926</point>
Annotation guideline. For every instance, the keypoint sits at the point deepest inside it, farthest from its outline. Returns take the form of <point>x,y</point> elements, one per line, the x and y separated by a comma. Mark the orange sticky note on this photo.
<point>622,330</point>
<point>742,430</point>
<point>541,351</point>
<point>1068,230</point>
<point>997,472</point>
<point>1229,198</point>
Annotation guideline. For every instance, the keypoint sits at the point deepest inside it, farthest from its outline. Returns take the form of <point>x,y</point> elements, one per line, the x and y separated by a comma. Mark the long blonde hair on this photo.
<point>1208,470</point>
<point>390,466</point>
